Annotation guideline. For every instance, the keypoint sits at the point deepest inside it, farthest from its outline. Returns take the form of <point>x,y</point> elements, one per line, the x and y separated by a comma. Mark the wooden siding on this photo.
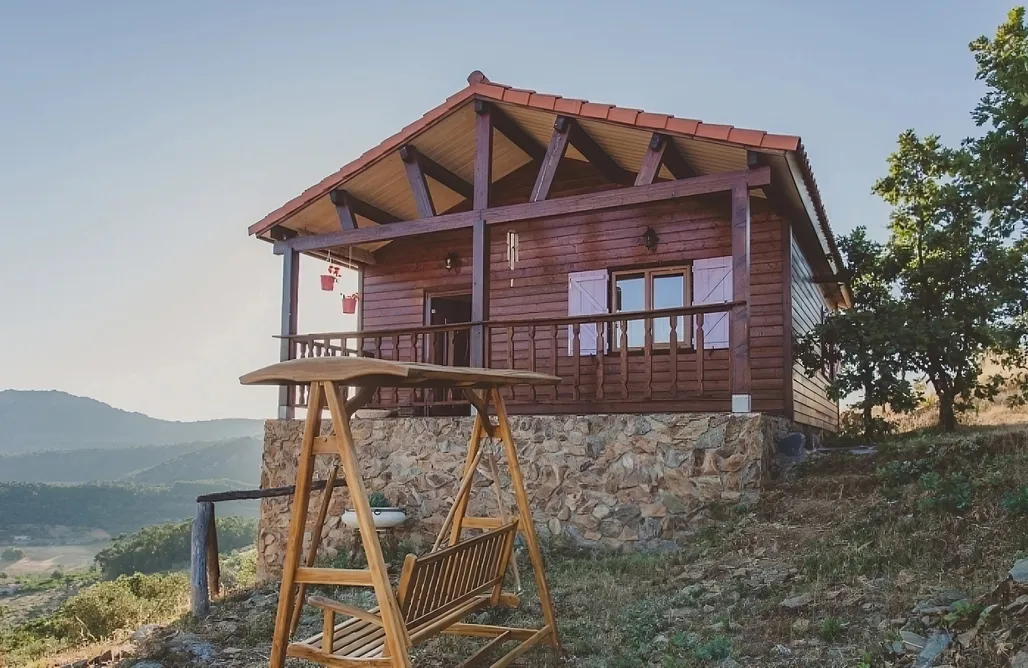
<point>409,269</point>
<point>811,405</point>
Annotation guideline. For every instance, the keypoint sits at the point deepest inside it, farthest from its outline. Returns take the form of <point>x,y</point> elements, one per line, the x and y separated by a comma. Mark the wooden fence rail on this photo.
<point>204,562</point>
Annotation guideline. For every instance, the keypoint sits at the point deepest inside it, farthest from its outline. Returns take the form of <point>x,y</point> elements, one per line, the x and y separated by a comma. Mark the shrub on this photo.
<point>715,649</point>
<point>945,493</point>
<point>164,546</point>
<point>1016,502</point>
<point>101,609</point>
<point>11,554</point>
<point>378,500</point>
<point>830,629</point>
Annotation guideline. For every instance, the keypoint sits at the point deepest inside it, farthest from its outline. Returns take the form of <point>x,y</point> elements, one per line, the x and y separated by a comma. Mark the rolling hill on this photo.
<point>236,462</point>
<point>51,420</point>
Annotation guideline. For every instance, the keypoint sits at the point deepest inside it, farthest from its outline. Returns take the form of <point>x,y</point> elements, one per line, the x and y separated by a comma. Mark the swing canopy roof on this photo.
<point>369,372</point>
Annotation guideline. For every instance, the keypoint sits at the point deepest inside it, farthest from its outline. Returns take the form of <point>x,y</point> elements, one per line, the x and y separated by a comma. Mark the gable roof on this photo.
<point>790,162</point>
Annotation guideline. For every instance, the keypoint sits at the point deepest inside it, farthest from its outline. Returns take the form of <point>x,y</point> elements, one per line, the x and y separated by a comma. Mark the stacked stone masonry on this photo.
<point>613,481</point>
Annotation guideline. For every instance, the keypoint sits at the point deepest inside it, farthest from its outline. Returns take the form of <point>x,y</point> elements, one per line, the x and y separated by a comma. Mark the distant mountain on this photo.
<point>51,420</point>
<point>237,462</point>
<point>89,465</point>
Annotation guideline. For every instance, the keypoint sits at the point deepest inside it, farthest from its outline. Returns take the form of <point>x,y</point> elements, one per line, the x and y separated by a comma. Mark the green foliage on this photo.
<point>379,500</point>
<point>165,546</point>
<point>962,611</point>
<point>950,493</point>
<point>97,612</point>
<point>113,508</point>
<point>11,554</point>
<point>1016,502</point>
<point>715,649</point>
<point>861,343</point>
<point>830,629</point>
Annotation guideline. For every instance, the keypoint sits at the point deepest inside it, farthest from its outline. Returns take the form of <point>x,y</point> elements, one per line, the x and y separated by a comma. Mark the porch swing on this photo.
<point>435,591</point>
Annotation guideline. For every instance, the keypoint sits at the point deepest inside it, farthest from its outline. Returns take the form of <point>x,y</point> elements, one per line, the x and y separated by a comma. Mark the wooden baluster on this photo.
<point>576,347</point>
<point>672,355</point>
<point>600,350</point>
<point>451,354</point>
<point>624,359</point>
<point>553,359</point>
<point>378,355</point>
<point>699,353</point>
<point>648,353</point>
<point>396,358</point>
<point>510,358</point>
<point>531,356</point>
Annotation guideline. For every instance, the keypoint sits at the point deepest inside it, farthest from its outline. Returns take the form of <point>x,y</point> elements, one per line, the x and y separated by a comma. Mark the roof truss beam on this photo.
<point>354,206</point>
<point>548,169</point>
<point>437,172</point>
<point>594,153</point>
<point>609,199</point>
<point>418,185</point>
<point>509,128</point>
<point>662,152</point>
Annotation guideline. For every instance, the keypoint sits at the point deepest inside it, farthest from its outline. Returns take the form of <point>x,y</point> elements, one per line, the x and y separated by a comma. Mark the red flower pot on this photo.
<point>349,303</point>
<point>328,282</point>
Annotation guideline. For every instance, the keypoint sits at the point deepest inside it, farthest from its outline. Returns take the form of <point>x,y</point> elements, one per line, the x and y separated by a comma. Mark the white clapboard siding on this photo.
<point>587,295</point>
<point>712,284</point>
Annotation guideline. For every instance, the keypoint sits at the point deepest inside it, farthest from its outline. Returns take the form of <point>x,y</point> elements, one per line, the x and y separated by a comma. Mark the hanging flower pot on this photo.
<point>328,282</point>
<point>350,303</point>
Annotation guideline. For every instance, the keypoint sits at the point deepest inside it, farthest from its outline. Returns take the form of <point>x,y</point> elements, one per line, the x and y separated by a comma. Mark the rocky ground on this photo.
<point>907,556</point>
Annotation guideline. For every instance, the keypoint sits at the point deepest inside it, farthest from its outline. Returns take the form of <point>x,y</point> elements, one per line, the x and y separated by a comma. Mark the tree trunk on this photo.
<point>947,418</point>
<point>869,430</point>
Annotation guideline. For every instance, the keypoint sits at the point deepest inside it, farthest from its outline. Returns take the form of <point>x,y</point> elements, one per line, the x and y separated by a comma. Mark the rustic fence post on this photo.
<point>199,599</point>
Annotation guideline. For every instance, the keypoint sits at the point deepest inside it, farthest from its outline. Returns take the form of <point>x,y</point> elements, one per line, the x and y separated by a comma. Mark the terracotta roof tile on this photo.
<point>780,142</point>
<point>542,101</point>
<point>623,115</point>
<point>744,136</point>
<point>595,110</point>
<point>568,105</point>
<point>685,126</point>
<point>713,131</point>
<point>517,96</point>
<point>479,85</point>
<point>652,121</point>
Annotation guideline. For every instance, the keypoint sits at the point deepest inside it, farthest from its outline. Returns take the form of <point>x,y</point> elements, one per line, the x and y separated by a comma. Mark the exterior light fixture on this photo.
<point>452,261</point>
<point>650,239</point>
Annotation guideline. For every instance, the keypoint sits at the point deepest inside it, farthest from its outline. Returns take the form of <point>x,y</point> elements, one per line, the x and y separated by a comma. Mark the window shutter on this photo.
<point>712,284</point>
<point>587,295</point>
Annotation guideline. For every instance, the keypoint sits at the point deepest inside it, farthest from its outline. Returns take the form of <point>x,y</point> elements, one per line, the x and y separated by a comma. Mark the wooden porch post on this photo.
<point>480,233</point>
<point>739,333</point>
<point>290,296</point>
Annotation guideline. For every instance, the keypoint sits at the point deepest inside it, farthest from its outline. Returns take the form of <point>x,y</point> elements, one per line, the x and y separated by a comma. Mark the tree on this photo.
<point>958,275</point>
<point>865,341</point>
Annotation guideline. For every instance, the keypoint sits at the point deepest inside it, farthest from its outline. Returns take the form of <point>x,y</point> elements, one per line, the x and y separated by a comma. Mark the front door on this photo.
<point>448,347</point>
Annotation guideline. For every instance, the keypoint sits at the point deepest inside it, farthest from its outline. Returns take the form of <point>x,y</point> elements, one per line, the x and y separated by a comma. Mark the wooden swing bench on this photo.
<point>435,591</point>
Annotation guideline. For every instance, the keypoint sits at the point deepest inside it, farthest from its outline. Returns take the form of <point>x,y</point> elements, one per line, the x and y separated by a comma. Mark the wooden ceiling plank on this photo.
<point>506,126</point>
<point>595,154</point>
<point>418,185</point>
<point>676,162</point>
<point>554,154</point>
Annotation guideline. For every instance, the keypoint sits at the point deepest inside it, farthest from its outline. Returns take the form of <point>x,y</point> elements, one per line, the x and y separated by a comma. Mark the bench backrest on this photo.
<point>436,583</point>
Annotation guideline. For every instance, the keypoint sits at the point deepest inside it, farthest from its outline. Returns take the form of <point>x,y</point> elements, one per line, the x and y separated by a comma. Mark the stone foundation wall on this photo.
<point>607,480</point>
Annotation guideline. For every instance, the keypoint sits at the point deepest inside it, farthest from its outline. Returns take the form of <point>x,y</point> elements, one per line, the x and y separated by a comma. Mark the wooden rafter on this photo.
<point>358,207</point>
<point>620,197</point>
<point>594,153</point>
<point>418,185</point>
<point>437,172</point>
<point>507,127</point>
<point>554,154</point>
<point>652,160</point>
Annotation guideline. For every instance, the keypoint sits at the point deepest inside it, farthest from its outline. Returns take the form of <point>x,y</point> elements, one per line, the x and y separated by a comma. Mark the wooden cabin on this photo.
<point>654,263</point>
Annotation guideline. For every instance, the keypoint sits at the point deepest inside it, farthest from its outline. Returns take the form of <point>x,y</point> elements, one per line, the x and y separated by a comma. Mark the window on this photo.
<point>646,290</point>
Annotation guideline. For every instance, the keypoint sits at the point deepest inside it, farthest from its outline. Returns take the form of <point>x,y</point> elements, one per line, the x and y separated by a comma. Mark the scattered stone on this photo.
<point>913,641</point>
<point>797,602</point>
<point>147,664</point>
<point>1019,572</point>
<point>801,625</point>
<point>144,633</point>
<point>935,646</point>
<point>781,650</point>
<point>1020,660</point>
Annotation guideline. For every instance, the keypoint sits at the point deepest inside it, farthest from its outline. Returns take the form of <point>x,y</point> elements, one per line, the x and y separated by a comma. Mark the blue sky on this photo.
<point>138,141</point>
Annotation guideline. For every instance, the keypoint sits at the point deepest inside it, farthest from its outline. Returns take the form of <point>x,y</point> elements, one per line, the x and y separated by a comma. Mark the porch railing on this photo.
<point>617,362</point>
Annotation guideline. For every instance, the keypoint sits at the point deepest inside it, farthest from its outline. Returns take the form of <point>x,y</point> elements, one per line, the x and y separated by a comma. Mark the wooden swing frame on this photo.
<point>437,590</point>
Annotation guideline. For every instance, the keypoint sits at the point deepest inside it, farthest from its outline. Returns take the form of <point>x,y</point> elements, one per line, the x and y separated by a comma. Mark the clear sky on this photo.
<point>139,139</point>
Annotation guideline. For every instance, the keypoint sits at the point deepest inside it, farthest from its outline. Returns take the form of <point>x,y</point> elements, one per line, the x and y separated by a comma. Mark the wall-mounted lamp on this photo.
<point>452,261</point>
<point>650,239</point>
